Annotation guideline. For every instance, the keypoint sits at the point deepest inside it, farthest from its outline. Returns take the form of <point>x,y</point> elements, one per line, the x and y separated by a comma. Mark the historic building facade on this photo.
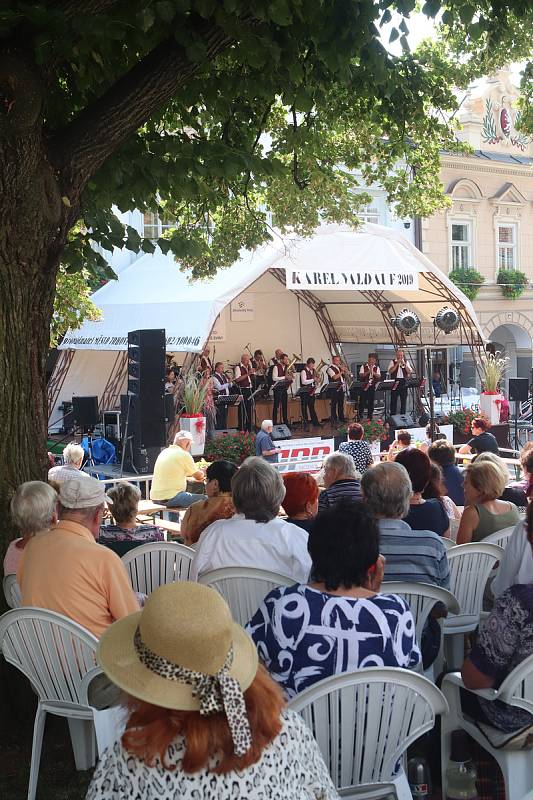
<point>488,225</point>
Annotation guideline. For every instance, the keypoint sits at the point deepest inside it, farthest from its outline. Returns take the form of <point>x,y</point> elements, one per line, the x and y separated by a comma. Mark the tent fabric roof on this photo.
<point>154,293</point>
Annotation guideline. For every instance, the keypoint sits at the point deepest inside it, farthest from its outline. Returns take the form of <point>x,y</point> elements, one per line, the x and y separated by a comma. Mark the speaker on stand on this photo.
<point>143,416</point>
<point>518,393</point>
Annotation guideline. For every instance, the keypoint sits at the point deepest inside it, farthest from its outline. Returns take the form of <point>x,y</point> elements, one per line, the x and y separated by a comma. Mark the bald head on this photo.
<point>387,490</point>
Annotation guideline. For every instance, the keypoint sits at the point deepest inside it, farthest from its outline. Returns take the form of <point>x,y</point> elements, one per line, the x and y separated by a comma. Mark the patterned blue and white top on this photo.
<point>304,635</point>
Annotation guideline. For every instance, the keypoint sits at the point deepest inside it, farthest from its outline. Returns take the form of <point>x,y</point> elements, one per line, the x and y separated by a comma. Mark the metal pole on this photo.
<point>431,396</point>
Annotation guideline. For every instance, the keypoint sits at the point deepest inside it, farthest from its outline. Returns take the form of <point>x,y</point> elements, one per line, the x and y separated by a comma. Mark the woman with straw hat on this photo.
<point>204,719</point>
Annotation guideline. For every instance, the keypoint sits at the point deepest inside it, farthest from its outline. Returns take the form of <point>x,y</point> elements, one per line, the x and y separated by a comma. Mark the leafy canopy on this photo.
<point>299,88</point>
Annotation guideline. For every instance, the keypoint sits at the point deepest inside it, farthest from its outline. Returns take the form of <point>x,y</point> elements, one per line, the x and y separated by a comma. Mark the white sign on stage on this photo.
<point>243,308</point>
<point>352,280</point>
<point>303,455</point>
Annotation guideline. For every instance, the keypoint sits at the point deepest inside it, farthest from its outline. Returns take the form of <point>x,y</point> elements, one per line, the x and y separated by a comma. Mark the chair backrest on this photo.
<point>454,530</point>
<point>500,537</point>
<point>157,563</point>
<point>517,688</point>
<point>470,566</point>
<point>12,591</point>
<point>421,598</point>
<point>364,721</point>
<point>52,651</point>
<point>448,543</point>
<point>244,588</point>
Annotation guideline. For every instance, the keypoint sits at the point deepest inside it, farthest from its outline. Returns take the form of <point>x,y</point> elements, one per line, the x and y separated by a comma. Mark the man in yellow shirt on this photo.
<point>172,468</point>
<point>66,570</point>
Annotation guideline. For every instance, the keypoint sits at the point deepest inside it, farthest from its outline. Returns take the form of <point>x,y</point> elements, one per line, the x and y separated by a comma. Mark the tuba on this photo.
<point>290,366</point>
<point>321,375</point>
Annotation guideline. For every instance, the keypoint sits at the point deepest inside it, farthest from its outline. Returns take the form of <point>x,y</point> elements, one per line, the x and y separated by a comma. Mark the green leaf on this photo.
<point>146,19</point>
<point>147,246</point>
<point>386,17</point>
<point>280,12</point>
<point>431,8</point>
<point>196,52</point>
<point>394,34</point>
<point>466,13</point>
<point>165,10</point>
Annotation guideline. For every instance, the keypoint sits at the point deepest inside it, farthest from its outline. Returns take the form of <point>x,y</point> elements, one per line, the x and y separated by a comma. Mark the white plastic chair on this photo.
<point>364,722</point>
<point>454,530</point>
<point>470,567</point>
<point>55,654</point>
<point>12,591</point>
<point>515,690</point>
<point>448,543</point>
<point>157,563</point>
<point>421,598</point>
<point>500,537</point>
<point>244,588</point>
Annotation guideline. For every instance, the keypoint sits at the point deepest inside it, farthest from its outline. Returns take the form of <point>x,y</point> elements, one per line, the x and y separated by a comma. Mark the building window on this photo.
<point>507,246</point>
<point>154,226</point>
<point>369,213</point>
<point>461,245</point>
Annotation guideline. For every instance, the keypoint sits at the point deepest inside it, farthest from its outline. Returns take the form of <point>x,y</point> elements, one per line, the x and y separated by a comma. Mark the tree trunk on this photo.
<point>32,235</point>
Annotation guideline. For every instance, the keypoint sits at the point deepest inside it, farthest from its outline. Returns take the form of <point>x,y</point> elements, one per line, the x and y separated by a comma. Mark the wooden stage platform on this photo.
<point>263,410</point>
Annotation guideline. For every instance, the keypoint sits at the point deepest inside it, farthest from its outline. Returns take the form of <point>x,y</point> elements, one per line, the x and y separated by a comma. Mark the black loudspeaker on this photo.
<point>170,409</point>
<point>280,432</point>
<point>401,421</point>
<point>225,432</point>
<point>518,389</point>
<point>144,406</point>
<point>85,412</point>
<point>423,419</point>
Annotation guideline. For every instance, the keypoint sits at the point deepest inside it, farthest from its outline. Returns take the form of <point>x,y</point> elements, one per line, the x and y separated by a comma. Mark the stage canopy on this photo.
<point>353,283</point>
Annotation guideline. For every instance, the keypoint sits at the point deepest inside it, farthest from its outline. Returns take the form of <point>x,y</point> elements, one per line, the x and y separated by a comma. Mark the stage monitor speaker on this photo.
<point>518,389</point>
<point>225,432</point>
<point>280,432</point>
<point>85,412</point>
<point>423,419</point>
<point>401,421</point>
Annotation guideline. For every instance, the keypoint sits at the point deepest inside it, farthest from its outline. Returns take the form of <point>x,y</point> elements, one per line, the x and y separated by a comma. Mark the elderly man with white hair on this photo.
<point>255,536</point>
<point>173,466</point>
<point>264,446</point>
<point>73,456</point>
<point>341,479</point>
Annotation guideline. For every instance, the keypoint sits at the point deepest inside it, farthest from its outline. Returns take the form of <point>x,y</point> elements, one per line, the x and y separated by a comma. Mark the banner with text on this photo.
<point>303,455</point>
<point>353,280</point>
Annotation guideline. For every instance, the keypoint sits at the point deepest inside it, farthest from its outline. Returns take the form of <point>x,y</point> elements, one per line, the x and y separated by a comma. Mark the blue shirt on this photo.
<point>304,635</point>
<point>428,516</point>
<point>345,488</point>
<point>263,441</point>
<point>417,556</point>
<point>454,480</point>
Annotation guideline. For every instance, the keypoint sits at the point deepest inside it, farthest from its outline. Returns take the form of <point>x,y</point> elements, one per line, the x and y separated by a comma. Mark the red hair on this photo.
<point>482,424</point>
<point>300,489</point>
<point>151,729</point>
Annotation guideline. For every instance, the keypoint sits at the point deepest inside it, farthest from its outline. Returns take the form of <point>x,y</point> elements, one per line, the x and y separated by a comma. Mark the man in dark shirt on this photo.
<point>482,441</point>
<point>442,453</point>
<point>341,480</point>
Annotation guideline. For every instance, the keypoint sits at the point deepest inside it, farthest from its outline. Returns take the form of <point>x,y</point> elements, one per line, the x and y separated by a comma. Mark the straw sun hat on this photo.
<point>183,651</point>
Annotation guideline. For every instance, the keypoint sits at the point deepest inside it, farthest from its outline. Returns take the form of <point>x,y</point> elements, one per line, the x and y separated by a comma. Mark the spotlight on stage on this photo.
<point>406,321</point>
<point>447,319</point>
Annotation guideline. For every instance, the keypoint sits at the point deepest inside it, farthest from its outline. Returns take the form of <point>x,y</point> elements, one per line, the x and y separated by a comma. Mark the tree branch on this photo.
<point>71,8</point>
<point>84,145</point>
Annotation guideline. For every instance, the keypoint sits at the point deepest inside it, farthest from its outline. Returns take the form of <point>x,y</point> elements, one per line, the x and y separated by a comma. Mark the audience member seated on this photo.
<point>442,453</point>
<point>503,641</point>
<point>356,448</point>
<point>254,537</point>
<point>485,480</point>
<point>301,499</point>
<point>339,621</point>
<point>436,490</point>
<point>65,570</point>
<point>341,479</point>
<point>124,506</point>
<point>482,441</point>
<point>411,555</point>
<point>73,456</point>
<point>517,492</point>
<point>33,511</point>
<point>516,565</point>
<point>424,515</point>
<point>173,466</point>
<point>204,719</point>
<point>218,505</point>
<point>402,442</point>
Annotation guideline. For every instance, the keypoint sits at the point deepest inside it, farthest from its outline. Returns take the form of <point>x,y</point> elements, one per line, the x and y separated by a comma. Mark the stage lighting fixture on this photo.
<point>406,321</point>
<point>447,319</point>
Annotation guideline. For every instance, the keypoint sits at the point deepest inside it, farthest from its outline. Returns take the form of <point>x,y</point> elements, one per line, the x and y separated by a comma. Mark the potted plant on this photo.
<point>231,447</point>
<point>493,366</point>
<point>468,279</point>
<point>461,419</point>
<point>191,398</point>
<point>513,283</point>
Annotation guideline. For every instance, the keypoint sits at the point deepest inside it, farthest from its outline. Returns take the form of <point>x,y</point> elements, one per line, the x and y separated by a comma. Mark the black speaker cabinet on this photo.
<point>146,389</point>
<point>85,412</point>
<point>401,421</point>
<point>518,389</point>
<point>280,432</point>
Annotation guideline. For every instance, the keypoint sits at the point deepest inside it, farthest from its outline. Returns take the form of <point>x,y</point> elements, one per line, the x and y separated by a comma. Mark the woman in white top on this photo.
<point>204,720</point>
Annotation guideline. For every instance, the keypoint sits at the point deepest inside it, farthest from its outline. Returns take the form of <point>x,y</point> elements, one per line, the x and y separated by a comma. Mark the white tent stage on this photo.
<point>305,295</point>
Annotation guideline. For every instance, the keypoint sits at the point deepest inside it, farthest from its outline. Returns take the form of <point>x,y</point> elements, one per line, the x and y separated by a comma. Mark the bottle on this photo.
<point>419,778</point>
<point>461,772</point>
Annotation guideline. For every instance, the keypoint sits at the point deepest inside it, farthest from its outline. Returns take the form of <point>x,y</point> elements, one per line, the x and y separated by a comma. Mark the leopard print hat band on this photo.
<point>220,692</point>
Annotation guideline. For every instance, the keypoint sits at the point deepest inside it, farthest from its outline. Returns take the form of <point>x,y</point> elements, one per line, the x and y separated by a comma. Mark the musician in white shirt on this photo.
<point>399,370</point>
<point>281,379</point>
<point>336,372</point>
<point>309,379</point>
<point>243,379</point>
<point>369,375</point>
<point>220,387</point>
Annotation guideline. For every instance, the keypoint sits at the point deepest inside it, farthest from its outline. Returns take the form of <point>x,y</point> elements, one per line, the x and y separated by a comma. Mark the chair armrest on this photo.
<point>455,679</point>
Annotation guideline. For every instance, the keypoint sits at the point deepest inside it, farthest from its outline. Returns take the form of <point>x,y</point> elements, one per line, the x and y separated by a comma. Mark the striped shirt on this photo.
<point>416,556</point>
<point>346,488</point>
